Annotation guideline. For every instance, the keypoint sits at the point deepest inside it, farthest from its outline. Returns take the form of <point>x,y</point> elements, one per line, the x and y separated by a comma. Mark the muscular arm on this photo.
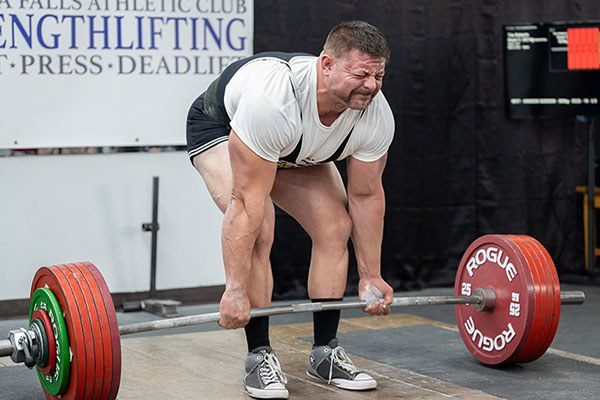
<point>252,182</point>
<point>366,205</point>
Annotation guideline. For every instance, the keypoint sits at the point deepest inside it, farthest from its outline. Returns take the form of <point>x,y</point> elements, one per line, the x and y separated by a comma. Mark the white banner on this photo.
<point>111,72</point>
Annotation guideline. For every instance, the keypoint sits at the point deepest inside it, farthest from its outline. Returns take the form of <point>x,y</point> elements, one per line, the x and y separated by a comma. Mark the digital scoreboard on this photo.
<point>552,70</point>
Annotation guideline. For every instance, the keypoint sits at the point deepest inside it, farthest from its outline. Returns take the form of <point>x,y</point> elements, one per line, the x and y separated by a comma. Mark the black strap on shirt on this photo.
<point>292,157</point>
<point>218,86</point>
<point>340,149</point>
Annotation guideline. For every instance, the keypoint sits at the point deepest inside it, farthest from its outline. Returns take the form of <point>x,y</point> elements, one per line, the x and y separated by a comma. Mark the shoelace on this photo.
<point>341,359</point>
<point>270,370</point>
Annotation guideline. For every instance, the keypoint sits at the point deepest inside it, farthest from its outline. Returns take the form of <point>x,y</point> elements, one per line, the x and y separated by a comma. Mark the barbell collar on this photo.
<point>488,299</point>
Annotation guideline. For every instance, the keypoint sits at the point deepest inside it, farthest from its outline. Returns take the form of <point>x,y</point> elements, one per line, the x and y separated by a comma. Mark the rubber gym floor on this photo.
<point>414,353</point>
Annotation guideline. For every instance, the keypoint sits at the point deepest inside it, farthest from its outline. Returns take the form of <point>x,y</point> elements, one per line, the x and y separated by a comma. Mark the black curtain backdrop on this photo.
<point>457,168</point>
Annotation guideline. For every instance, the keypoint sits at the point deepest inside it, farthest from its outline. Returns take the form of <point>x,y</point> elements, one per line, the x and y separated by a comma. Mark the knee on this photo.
<point>334,231</point>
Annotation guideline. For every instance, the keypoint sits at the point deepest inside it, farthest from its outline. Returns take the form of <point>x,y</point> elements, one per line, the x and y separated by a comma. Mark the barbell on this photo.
<point>506,292</point>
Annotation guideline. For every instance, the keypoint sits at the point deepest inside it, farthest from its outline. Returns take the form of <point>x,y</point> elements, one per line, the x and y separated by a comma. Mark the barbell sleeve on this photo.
<point>575,297</point>
<point>6,348</point>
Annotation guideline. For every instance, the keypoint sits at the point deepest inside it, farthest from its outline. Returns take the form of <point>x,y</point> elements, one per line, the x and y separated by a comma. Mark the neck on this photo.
<point>327,107</point>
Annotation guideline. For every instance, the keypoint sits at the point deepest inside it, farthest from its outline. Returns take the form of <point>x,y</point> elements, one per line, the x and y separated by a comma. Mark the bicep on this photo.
<point>364,178</point>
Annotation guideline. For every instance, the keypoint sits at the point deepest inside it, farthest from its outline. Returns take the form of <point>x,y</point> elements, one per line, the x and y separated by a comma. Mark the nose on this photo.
<point>370,83</point>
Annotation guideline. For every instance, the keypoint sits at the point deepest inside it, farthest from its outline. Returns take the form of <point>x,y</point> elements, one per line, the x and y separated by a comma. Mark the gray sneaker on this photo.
<point>264,378</point>
<point>332,365</point>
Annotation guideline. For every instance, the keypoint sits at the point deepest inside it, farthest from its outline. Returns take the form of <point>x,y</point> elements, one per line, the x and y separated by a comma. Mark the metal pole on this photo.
<point>591,187</point>
<point>154,230</point>
<point>575,297</point>
<point>164,308</point>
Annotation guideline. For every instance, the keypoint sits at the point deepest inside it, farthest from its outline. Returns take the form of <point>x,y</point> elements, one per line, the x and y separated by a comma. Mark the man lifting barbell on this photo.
<point>266,132</point>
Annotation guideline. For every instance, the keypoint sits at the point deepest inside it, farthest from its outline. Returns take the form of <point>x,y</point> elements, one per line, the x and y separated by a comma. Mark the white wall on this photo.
<point>64,208</point>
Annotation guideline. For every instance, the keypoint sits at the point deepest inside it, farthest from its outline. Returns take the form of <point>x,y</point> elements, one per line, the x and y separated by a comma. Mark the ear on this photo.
<point>326,63</point>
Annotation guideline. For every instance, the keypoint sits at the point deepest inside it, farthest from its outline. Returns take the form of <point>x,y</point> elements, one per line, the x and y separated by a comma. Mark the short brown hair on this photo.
<point>356,35</point>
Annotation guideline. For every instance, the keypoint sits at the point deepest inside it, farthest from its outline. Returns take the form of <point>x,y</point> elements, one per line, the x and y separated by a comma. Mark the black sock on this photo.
<point>325,323</point>
<point>257,333</point>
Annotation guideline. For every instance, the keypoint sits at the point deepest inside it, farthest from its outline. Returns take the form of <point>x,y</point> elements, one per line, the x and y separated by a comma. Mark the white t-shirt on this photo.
<point>271,119</point>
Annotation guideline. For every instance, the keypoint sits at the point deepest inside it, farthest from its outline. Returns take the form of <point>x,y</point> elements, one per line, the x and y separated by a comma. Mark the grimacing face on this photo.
<point>354,79</point>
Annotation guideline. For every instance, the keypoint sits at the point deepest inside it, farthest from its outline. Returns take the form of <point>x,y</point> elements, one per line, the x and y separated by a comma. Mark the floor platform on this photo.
<point>414,353</point>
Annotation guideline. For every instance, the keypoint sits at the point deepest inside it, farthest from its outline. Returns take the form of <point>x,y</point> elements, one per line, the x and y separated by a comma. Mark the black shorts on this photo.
<point>203,132</point>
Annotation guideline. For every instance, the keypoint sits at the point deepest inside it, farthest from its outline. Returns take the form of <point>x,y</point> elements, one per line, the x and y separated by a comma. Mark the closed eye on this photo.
<point>364,76</point>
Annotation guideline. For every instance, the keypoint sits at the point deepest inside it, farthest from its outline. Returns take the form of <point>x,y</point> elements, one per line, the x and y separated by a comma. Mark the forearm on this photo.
<point>241,225</point>
<point>367,212</point>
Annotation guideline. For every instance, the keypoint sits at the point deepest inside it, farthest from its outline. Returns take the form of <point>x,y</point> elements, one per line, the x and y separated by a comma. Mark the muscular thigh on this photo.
<point>215,168</point>
<point>312,195</point>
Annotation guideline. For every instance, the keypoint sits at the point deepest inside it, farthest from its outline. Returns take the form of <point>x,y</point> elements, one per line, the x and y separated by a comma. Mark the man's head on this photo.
<point>353,63</point>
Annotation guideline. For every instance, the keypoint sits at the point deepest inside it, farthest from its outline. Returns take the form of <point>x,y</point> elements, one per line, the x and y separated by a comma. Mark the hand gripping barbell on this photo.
<point>507,298</point>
